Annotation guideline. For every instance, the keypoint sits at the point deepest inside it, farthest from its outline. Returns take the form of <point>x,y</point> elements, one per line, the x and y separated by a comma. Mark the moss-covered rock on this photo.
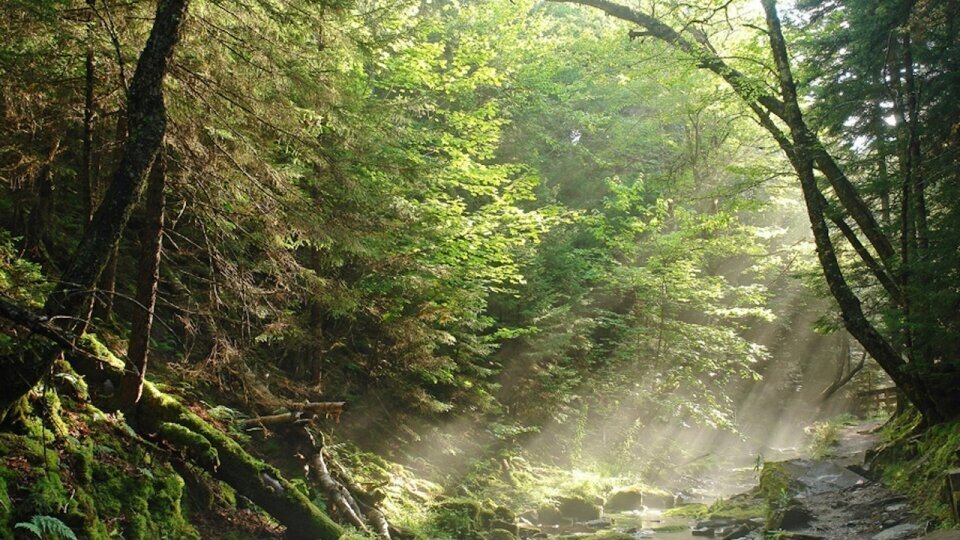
<point>579,509</point>
<point>624,499</point>
<point>501,534</point>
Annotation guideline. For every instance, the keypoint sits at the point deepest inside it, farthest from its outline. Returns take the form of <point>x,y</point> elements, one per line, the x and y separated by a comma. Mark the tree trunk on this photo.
<point>36,230</point>
<point>147,124</point>
<point>148,275</point>
<point>854,319</point>
<point>87,188</point>
<point>228,462</point>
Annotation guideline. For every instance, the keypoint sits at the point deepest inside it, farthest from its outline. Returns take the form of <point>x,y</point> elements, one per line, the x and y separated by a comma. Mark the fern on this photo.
<point>47,528</point>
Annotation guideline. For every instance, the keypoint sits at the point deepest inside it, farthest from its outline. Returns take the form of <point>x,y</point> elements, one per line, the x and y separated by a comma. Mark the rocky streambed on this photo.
<point>831,499</point>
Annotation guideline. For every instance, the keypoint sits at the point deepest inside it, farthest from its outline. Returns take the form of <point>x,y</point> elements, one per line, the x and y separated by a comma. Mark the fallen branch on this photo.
<point>336,493</point>
<point>305,413</point>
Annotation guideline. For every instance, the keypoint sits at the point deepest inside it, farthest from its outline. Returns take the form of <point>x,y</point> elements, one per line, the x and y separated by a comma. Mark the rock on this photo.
<point>795,517</point>
<point>500,534</point>
<point>505,514</point>
<point>638,497</point>
<point>505,525</point>
<point>900,532</point>
<point>943,535</point>
<point>549,515</point>
<point>598,523</point>
<point>821,476</point>
<point>624,499</point>
<point>525,530</point>
<point>737,532</point>
<point>578,509</point>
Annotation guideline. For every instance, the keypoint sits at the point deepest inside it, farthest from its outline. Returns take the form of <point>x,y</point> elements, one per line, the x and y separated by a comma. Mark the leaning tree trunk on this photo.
<point>806,152</point>
<point>147,123</point>
<point>148,275</point>
<point>803,152</point>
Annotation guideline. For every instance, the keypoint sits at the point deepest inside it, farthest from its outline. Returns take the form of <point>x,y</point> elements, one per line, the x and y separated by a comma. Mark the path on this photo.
<point>836,503</point>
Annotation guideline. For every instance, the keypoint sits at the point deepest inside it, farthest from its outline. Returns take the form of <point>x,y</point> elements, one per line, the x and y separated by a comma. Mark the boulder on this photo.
<point>900,532</point>
<point>629,498</point>
<point>549,515</point>
<point>624,499</point>
<point>578,509</point>
<point>500,534</point>
<point>795,517</point>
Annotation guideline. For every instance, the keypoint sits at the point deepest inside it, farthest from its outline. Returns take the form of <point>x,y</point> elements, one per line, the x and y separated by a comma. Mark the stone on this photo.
<point>548,515</point>
<point>737,532</point>
<point>526,530</point>
<point>943,535</point>
<point>598,523</point>
<point>795,517</point>
<point>900,532</point>
<point>505,525</point>
<point>578,509</point>
<point>624,499</point>
<point>501,534</point>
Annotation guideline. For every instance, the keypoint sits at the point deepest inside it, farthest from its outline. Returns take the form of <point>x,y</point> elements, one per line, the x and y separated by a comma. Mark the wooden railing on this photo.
<point>879,398</point>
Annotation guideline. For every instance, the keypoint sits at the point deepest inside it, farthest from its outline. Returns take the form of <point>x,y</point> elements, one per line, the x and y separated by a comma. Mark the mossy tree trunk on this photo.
<point>254,479</point>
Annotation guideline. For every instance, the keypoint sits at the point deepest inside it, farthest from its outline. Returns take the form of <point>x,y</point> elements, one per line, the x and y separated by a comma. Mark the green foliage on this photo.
<point>47,528</point>
<point>824,435</point>
<point>915,462</point>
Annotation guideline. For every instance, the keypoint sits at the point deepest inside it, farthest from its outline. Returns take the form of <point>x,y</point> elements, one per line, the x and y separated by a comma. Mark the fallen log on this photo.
<point>161,415</point>
<point>302,413</point>
<point>250,477</point>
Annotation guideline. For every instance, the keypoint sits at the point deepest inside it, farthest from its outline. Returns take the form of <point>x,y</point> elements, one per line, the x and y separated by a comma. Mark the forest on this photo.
<point>480,269</point>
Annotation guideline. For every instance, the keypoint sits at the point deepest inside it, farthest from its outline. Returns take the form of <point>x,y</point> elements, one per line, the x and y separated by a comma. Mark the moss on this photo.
<point>6,506</point>
<point>744,506</point>
<point>93,343</point>
<point>237,467</point>
<point>197,445</point>
<point>696,510</point>
<point>456,518</point>
<point>915,463</point>
<point>670,528</point>
<point>500,534</point>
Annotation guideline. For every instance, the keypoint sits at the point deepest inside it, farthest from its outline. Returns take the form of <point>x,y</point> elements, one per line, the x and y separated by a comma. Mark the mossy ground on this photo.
<point>92,473</point>
<point>98,484</point>
<point>915,463</point>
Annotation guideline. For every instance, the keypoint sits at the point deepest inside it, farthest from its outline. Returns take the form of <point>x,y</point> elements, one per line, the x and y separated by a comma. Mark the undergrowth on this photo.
<point>915,463</point>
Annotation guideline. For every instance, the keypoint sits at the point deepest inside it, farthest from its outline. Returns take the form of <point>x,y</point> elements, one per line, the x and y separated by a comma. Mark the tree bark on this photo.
<point>148,276</point>
<point>147,124</point>
<point>87,188</point>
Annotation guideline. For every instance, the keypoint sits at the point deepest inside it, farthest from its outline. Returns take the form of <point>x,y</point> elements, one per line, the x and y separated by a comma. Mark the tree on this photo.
<point>147,124</point>
<point>776,105</point>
